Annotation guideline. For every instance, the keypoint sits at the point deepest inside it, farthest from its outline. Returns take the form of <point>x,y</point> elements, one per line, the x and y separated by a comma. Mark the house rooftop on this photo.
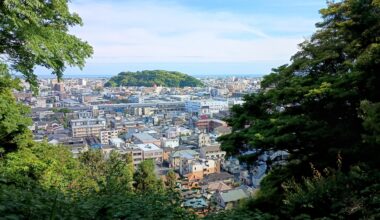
<point>185,154</point>
<point>144,137</point>
<point>195,203</point>
<point>233,195</point>
<point>117,141</point>
<point>221,186</point>
<point>213,177</point>
<point>148,147</point>
<point>211,148</point>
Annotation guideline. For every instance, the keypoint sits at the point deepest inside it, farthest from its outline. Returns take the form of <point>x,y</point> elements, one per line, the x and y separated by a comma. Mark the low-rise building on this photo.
<point>212,152</point>
<point>93,142</point>
<point>197,169</point>
<point>200,107</point>
<point>231,165</point>
<point>144,138</point>
<point>199,205</point>
<point>136,153</point>
<point>178,156</point>
<point>213,187</point>
<point>151,151</point>
<point>230,198</point>
<point>87,127</point>
<point>117,142</point>
<point>106,135</point>
<point>169,142</point>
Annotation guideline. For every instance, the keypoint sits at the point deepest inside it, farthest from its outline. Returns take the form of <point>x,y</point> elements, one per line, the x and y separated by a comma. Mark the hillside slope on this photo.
<point>153,77</point>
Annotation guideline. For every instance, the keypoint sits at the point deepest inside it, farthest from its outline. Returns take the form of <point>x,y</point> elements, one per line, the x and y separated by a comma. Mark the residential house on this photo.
<point>212,152</point>
<point>230,198</point>
<point>178,156</point>
<point>197,169</point>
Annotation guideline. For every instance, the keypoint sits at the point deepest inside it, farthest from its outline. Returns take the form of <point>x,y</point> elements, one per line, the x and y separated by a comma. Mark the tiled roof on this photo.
<point>233,195</point>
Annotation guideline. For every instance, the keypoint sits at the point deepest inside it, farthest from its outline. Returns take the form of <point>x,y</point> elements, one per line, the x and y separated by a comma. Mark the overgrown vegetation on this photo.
<point>46,182</point>
<point>150,78</point>
<point>323,109</point>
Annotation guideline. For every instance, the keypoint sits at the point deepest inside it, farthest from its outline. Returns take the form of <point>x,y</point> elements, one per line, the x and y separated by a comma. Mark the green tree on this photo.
<point>44,165</point>
<point>311,108</point>
<point>45,182</point>
<point>323,104</point>
<point>371,122</point>
<point>119,173</point>
<point>35,33</point>
<point>145,177</point>
<point>171,179</point>
<point>65,111</point>
<point>14,124</point>
<point>93,161</point>
<point>335,195</point>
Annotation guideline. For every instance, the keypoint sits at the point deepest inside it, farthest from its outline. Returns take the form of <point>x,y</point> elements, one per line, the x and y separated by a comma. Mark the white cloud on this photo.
<point>142,32</point>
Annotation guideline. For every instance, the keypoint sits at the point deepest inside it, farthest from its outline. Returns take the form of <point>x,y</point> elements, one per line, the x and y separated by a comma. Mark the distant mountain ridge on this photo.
<point>150,78</point>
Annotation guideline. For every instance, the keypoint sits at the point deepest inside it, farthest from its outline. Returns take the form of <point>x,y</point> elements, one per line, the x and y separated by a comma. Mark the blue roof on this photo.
<point>96,146</point>
<point>195,203</point>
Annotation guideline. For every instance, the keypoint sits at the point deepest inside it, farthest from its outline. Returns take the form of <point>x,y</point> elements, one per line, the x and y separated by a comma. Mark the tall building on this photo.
<point>203,140</point>
<point>60,87</point>
<point>82,82</point>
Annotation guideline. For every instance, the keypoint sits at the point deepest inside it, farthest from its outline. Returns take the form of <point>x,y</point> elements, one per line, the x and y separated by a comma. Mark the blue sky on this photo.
<point>198,37</point>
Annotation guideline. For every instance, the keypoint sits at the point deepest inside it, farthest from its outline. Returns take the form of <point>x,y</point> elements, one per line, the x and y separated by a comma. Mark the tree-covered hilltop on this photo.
<point>150,78</point>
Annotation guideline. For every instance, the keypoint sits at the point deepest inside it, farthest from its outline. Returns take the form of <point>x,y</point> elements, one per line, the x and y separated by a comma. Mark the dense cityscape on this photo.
<point>176,127</point>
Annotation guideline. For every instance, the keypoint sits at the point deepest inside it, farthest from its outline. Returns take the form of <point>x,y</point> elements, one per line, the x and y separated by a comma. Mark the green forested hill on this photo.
<point>153,77</point>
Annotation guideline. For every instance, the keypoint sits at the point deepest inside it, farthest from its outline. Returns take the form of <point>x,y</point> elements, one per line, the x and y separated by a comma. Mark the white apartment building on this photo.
<point>201,107</point>
<point>106,135</point>
<point>151,151</point>
<point>170,142</point>
<point>87,127</point>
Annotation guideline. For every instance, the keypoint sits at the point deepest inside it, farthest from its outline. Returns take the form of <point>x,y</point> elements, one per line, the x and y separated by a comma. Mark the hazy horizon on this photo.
<point>85,75</point>
<point>196,37</point>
